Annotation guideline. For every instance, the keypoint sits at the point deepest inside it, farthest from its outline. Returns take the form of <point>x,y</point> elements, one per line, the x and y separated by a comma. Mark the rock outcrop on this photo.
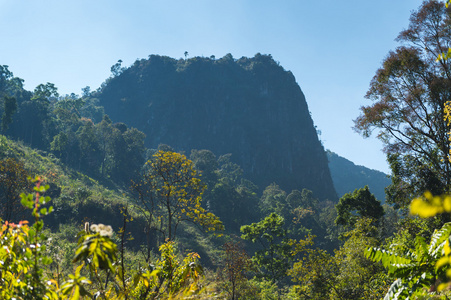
<point>250,107</point>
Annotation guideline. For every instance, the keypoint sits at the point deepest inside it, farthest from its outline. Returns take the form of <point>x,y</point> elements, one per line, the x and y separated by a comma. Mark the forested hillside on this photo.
<point>249,107</point>
<point>347,177</point>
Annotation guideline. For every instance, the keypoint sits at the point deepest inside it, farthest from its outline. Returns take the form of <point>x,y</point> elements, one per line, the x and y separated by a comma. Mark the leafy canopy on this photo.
<point>360,203</point>
<point>171,193</point>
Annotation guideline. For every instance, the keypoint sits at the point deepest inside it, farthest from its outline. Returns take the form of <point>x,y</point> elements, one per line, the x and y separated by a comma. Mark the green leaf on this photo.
<point>46,260</point>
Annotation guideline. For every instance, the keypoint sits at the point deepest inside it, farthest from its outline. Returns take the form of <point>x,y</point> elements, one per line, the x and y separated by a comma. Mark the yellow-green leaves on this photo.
<point>444,56</point>
<point>100,249</point>
<point>23,262</point>
<point>419,267</point>
<point>171,192</point>
<point>430,205</point>
<point>74,288</point>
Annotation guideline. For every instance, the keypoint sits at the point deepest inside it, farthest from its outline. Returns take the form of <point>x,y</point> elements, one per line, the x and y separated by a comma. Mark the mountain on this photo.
<point>250,107</point>
<point>347,177</point>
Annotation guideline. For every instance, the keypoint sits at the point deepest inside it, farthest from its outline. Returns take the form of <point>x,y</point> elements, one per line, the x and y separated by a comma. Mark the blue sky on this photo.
<point>333,48</point>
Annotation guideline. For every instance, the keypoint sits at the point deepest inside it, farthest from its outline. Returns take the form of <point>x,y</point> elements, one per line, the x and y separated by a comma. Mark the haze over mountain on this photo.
<point>347,177</point>
<point>250,107</point>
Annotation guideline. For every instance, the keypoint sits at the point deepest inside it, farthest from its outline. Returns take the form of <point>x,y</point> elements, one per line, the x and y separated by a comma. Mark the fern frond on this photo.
<point>395,290</point>
<point>388,258</point>
<point>438,240</point>
<point>421,248</point>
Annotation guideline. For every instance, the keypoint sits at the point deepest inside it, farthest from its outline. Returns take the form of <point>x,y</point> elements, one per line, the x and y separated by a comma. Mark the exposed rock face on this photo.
<point>249,107</point>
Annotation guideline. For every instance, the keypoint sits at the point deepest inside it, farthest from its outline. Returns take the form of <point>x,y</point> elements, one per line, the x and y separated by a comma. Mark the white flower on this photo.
<point>104,230</point>
<point>93,228</point>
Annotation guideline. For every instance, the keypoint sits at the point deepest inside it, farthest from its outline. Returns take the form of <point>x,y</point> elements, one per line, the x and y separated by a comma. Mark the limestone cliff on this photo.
<point>250,107</point>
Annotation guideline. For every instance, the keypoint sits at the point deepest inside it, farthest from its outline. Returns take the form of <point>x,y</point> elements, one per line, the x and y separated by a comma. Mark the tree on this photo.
<point>5,76</point>
<point>117,68</point>
<point>236,263</point>
<point>86,91</point>
<point>9,108</point>
<point>90,149</point>
<point>274,258</point>
<point>91,110</point>
<point>171,193</point>
<point>8,87</point>
<point>104,136</point>
<point>234,205</point>
<point>409,93</point>
<point>228,169</point>
<point>128,153</point>
<point>13,181</point>
<point>358,204</point>
<point>36,123</point>
<point>358,277</point>
<point>273,200</point>
<point>345,275</point>
<point>315,273</point>
<point>26,262</point>
<point>45,91</point>
<point>205,162</point>
<point>300,209</point>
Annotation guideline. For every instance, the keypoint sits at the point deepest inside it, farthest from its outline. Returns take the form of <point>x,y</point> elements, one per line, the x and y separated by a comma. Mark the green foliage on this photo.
<point>304,213</point>
<point>5,75</point>
<point>13,181</point>
<point>408,94</point>
<point>416,269</point>
<point>23,253</point>
<point>229,196</point>
<point>102,150</point>
<point>347,274</point>
<point>314,274</point>
<point>228,169</point>
<point>23,273</point>
<point>232,275</point>
<point>171,193</point>
<point>205,162</point>
<point>274,200</point>
<point>64,125</point>
<point>256,101</point>
<point>117,68</point>
<point>45,92</point>
<point>9,108</point>
<point>233,204</point>
<point>98,247</point>
<point>273,260</point>
<point>360,203</point>
<point>169,278</point>
<point>357,276</point>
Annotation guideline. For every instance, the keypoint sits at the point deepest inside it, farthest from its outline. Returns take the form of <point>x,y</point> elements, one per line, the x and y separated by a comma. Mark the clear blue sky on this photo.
<point>332,47</point>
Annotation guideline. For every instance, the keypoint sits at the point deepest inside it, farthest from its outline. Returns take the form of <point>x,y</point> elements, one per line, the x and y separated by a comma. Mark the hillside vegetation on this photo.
<point>206,180</point>
<point>249,107</point>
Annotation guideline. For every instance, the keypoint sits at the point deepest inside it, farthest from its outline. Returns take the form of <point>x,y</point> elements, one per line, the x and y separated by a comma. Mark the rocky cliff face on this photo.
<point>250,107</point>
